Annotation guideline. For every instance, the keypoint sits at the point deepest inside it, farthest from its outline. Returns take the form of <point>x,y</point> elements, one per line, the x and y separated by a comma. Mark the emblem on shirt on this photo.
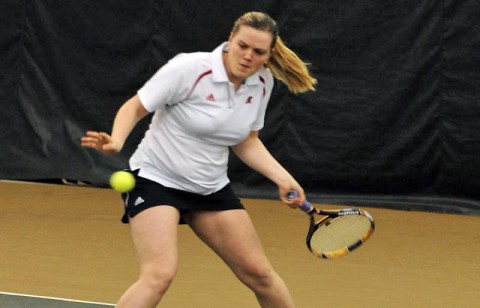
<point>249,100</point>
<point>210,97</point>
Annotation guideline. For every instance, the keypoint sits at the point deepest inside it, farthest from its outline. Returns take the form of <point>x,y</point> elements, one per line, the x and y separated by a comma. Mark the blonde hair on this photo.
<point>284,64</point>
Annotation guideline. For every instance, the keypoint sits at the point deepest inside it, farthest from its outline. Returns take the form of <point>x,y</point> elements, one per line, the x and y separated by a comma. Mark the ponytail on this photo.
<point>286,66</point>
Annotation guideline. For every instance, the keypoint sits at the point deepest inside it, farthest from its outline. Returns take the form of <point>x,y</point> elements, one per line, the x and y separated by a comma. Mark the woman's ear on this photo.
<point>271,55</point>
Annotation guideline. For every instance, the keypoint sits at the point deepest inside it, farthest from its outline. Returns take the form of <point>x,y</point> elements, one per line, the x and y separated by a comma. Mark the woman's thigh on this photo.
<point>155,238</point>
<point>232,236</point>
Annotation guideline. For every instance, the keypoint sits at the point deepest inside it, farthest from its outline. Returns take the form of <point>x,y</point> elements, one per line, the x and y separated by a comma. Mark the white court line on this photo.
<point>56,298</point>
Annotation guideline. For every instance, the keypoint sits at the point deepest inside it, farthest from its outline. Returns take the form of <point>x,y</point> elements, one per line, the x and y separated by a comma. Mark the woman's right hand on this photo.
<point>100,141</point>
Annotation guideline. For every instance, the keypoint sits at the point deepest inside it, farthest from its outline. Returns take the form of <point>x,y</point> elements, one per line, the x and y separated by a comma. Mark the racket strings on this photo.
<point>340,233</point>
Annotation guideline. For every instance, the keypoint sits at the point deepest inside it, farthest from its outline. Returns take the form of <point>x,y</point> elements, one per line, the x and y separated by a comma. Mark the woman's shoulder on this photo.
<point>191,58</point>
<point>188,64</point>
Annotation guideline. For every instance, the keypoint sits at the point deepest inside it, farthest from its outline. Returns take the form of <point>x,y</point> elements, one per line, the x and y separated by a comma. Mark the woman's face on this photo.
<point>248,50</point>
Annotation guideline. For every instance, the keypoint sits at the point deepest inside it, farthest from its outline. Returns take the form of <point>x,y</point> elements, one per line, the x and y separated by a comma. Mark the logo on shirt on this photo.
<point>210,97</point>
<point>249,100</point>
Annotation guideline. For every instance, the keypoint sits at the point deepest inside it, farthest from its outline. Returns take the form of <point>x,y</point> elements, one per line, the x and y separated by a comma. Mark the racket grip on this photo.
<point>306,206</point>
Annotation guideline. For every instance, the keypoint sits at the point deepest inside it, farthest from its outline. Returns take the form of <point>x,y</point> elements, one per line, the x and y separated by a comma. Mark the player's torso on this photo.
<point>216,113</point>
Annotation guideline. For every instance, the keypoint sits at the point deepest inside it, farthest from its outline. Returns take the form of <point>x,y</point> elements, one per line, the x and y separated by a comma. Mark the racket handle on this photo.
<point>306,206</point>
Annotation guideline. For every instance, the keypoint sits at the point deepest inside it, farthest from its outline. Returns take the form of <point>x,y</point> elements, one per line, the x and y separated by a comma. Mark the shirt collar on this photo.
<point>219,72</point>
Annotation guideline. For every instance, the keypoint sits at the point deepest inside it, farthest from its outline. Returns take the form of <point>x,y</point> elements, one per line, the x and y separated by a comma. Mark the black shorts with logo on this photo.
<point>147,194</point>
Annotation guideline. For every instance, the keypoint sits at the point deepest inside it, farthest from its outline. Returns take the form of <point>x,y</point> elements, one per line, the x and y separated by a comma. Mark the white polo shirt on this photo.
<point>198,115</point>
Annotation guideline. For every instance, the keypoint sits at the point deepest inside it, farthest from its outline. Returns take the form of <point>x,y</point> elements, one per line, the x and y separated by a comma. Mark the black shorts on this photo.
<point>147,194</point>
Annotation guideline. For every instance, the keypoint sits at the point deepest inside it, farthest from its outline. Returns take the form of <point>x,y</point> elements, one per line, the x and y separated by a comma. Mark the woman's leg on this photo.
<point>232,236</point>
<point>155,235</point>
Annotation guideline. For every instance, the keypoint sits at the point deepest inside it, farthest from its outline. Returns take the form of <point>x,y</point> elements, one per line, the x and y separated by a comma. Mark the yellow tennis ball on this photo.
<point>122,181</point>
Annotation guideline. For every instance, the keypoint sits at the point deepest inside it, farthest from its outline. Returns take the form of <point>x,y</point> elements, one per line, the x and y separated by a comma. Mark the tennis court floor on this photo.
<point>64,246</point>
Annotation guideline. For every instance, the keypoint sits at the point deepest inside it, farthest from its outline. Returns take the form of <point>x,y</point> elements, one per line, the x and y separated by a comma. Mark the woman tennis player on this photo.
<point>204,103</point>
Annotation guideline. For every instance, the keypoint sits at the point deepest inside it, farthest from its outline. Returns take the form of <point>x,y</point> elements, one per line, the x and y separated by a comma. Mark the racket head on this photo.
<point>339,232</point>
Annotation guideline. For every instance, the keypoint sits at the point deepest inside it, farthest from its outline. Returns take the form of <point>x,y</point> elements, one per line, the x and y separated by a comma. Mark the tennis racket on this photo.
<point>337,232</point>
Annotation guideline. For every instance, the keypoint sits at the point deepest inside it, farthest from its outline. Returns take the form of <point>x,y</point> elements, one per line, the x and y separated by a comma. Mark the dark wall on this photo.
<point>394,122</point>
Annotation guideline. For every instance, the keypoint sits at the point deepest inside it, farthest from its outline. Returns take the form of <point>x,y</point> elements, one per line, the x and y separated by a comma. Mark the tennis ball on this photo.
<point>122,181</point>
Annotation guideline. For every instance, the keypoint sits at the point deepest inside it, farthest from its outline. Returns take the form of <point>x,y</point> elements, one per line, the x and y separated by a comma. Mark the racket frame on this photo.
<point>328,215</point>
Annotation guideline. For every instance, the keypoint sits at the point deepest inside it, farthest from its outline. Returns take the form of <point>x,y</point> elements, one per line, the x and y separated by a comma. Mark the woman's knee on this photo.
<point>158,279</point>
<point>256,277</point>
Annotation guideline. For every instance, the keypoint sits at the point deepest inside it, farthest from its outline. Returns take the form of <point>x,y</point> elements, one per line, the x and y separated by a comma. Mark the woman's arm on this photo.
<point>127,117</point>
<point>254,154</point>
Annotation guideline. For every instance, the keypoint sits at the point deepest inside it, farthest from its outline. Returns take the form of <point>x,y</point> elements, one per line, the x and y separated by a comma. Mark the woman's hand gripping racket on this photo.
<point>339,232</point>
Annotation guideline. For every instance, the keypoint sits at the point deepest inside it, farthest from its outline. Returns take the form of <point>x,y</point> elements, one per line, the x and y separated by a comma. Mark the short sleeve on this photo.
<point>167,86</point>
